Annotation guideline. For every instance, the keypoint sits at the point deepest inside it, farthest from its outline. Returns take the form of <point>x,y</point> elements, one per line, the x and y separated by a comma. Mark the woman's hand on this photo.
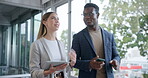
<point>52,69</point>
<point>72,55</point>
<point>60,67</point>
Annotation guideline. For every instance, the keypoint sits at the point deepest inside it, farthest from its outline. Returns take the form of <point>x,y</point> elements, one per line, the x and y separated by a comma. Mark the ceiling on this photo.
<point>11,10</point>
<point>6,9</point>
<point>8,13</point>
<point>5,13</point>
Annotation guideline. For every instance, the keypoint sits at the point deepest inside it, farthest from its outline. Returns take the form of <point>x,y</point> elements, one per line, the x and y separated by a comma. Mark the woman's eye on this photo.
<point>55,18</point>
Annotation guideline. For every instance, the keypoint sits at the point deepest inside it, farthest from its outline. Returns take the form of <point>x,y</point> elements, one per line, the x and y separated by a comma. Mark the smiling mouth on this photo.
<point>57,25</point>
<point>88,22</point>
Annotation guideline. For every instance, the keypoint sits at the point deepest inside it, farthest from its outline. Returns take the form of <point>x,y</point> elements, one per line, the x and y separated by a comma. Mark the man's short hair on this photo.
<point>92,5</point>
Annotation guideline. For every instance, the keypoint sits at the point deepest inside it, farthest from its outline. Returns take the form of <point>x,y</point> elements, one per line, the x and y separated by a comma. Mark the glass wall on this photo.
<point>1,45</point>
<point>37,20</point>
<point>77,23</point>
<point>23,45</point>
<point>14,57</point>
<point>6,50</point>
<point>4,53</point>
<point>62,33</point>
<point>28,43</point>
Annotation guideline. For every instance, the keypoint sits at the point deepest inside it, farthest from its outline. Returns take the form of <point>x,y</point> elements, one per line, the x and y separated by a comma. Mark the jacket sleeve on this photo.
<point>114,50</point>
<point>34,62</point>
<point>80,64</point>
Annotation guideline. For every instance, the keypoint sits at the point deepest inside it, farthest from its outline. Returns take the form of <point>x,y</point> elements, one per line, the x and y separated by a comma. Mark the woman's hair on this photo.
<point>43,30</point>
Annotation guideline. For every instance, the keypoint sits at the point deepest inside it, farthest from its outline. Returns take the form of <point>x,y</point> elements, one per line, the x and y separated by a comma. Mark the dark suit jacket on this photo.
<point>84,48</point>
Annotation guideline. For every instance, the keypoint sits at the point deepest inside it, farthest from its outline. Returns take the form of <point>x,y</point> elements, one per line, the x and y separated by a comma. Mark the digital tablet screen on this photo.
<point>54,63</point>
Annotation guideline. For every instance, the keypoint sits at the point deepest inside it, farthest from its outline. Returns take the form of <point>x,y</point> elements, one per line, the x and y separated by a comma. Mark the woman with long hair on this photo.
<point>48,48</point>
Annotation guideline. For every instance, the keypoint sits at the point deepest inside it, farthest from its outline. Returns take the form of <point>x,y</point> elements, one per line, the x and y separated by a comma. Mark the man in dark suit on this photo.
<point>94,42</point>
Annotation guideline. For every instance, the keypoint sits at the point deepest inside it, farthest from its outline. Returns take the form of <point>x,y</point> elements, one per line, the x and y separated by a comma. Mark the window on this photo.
<point>62,33</point>
<point>77,22</point>
<point>14,57</point>
<point>28,43</point>
<point>23,44</point>
<point>37,20</point>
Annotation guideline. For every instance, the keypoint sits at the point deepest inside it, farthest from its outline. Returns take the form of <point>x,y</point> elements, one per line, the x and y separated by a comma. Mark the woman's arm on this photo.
<point>34,62</point>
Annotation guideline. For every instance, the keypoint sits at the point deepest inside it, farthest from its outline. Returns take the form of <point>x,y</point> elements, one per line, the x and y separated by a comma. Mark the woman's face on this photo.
<point>52,23</point>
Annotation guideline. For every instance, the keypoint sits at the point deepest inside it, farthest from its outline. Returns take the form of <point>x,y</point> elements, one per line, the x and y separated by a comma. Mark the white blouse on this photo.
<point>54,49</point>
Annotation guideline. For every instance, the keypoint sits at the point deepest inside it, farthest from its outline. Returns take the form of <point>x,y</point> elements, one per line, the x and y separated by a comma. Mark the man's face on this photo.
<point>90,17</point>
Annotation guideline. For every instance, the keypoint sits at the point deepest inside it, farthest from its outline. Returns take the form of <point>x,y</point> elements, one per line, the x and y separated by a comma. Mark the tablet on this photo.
<point>54,63</point>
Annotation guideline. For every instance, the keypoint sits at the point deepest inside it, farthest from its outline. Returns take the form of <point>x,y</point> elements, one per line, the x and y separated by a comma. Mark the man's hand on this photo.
<point>73,56</point>
<point>96,65</point>
<point>115,64</point>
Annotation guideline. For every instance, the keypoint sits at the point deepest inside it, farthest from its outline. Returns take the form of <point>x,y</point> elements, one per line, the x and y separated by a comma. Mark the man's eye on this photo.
<point>88,14</point>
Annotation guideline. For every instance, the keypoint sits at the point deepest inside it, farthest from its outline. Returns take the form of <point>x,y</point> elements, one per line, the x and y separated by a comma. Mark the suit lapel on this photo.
<point>46,48</point>
<point>87,35</point>
<point>104,41</point>
<point>103,36</point>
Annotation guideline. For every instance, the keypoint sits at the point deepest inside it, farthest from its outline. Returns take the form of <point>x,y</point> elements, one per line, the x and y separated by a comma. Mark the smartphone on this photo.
<point>100,60</point>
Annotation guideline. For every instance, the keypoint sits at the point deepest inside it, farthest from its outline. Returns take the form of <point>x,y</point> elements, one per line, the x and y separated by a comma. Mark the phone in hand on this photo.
<point>100,60</point>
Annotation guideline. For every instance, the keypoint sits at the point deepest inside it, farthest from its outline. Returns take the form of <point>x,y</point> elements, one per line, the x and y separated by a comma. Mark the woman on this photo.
<point>48,48</point>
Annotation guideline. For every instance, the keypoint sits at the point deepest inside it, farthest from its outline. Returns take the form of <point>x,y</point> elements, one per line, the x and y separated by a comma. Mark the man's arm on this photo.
<point>116,58</point>
<point>80,64</point>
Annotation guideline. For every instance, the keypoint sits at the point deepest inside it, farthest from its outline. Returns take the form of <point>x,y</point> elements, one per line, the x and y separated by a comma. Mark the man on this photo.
<point>94,42</point>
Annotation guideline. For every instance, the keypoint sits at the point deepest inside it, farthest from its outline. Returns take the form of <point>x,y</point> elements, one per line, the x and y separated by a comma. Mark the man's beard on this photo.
<point>90,26</point>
